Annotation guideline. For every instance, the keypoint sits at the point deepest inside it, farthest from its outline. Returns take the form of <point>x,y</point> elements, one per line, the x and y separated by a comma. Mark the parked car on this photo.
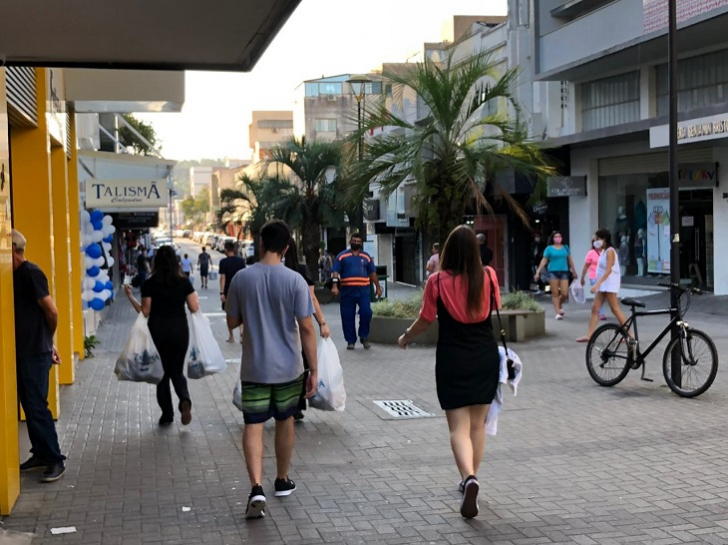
<point>220,246</point>
<point>244,248</point>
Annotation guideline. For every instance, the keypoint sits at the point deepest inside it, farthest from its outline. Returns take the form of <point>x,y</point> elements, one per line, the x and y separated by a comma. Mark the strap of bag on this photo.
<point>494,306</point>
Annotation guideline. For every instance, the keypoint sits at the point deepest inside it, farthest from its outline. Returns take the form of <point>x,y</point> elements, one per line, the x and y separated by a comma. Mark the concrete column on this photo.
<point>720,225</point>
<point>9,455</point>
<point>32,203</point>
<point>62,259</point>
<point>77,264</point>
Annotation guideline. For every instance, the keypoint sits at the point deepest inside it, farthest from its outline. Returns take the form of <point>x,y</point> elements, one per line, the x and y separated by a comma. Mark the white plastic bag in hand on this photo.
<point>238,395</point>
<point>140,361</point>
<point>204,356</point>
<point>331,395</point>
<point>577,292</point>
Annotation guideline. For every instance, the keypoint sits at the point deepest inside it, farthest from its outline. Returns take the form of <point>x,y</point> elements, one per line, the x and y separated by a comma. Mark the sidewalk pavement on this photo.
<point>573,463</point>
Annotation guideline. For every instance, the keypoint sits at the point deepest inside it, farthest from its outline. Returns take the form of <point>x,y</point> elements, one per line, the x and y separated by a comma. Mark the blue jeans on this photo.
<point>33,395</point>
<point>351,297</point>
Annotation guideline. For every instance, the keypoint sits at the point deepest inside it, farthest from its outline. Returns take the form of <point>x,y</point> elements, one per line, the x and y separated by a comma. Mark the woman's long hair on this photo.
<point>606,236</point>
<point>551,238</point>
<point>166,267</point>
<point>461,256</point>
<point>291,257</point>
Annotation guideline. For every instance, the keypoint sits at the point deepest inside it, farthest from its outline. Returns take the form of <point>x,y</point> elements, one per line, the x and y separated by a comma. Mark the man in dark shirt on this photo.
<point>228,267</point>
<point>486,254</point>
<point>203,263</point>
<point>36,319</point>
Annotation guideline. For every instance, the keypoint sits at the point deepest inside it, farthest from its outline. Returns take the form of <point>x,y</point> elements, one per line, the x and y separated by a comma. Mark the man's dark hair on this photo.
<point>229,246</point>
<point>357,235</point>
<point>275,236</point>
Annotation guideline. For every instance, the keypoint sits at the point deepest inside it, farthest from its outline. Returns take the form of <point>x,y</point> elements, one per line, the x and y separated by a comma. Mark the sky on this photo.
<point>322,37</point>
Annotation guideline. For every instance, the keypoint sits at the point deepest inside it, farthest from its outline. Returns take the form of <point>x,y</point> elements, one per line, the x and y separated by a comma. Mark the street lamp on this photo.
<point>358,85</point>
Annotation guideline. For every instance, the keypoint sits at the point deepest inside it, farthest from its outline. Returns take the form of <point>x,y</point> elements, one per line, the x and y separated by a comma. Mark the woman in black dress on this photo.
<point>164,296</point>
<point>291,261</point>
<point>467,370</point>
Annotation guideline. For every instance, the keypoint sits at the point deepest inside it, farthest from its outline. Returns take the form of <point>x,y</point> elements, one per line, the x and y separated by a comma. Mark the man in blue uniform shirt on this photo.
<point>352,273</point>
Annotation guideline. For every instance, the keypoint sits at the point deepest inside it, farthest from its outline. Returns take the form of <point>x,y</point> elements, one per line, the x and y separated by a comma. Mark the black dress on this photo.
<point>467,368</point>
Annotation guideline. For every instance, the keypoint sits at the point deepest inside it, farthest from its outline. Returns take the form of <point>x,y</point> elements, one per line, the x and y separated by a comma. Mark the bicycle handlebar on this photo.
<point>678,287</point>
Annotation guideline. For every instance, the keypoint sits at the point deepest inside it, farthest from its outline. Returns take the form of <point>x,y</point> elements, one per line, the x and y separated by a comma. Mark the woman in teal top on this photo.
<point>557,259</point>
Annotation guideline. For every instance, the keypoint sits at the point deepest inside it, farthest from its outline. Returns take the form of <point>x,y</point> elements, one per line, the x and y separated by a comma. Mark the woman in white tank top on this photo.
<point>608,282</point>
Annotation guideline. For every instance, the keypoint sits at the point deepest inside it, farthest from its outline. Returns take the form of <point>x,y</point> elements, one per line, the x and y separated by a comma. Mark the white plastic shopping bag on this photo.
<point>238,395</point>
<point>204,356</point>
<point>577,292</point>
<point>331,395</point>
<point>140,361</point>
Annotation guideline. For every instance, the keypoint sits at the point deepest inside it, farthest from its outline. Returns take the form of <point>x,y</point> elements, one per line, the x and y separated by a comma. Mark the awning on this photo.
<point>138,34</point>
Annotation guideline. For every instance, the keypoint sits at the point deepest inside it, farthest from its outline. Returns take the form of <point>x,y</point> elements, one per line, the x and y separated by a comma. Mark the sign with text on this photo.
<point>658,230</point>
<point>692,130</point>
<point>656,14</point>
<point>126,194</point>
<point>566,186</point>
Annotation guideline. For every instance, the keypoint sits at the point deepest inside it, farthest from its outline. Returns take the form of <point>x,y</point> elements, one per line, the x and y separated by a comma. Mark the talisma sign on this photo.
<point>126,194</point>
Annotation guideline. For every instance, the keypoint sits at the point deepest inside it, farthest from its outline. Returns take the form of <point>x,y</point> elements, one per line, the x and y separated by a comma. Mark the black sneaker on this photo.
<point>366,344</point>
<point>185,408</point>
<point>461,486</point>
<point>284,487</point>
<point>32,463</point>
<point>53,473</point>
<point>298,416</point>
<point>469,502</point>
<point>166,420</point>
<point>351,346</point>
<point>256,503</point>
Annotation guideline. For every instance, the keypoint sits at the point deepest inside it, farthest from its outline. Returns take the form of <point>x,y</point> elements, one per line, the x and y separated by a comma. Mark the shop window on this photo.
<point>611,101</point>
<point>702,82</point>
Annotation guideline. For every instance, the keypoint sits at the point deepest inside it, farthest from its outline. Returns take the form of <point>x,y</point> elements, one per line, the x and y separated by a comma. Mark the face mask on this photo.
<point>557,240</point>
<point>598,244</point>
<point>355,247</point>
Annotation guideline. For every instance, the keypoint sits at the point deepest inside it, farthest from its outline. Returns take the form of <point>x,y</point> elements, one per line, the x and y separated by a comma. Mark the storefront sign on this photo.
<point>693,130</point>
<point>698,176</point>
<point>656,15</point>
<point>566,186</point>
<point>658,230</point>
<point>126,194</point>
<point>136,220</point>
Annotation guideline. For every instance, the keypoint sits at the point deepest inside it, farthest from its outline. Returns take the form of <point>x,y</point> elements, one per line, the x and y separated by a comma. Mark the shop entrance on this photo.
<point>696,235</point>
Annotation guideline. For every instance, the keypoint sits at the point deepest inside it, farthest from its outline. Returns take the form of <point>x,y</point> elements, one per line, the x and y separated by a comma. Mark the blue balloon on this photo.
<point>98,225</point>
<point>99,287</point>
<point>93,271</point>
<point>109,239</point>
<point>109,286</point>
<point>93,251</point>
<point>97,304</point>
<point>97,216</point>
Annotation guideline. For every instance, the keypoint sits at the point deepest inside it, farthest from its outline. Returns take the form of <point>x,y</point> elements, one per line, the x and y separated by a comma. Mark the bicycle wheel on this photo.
<point>606,355</point>
<point>698,363</point>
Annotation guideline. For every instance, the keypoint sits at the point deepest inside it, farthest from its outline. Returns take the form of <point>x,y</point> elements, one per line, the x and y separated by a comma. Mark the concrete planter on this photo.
<point>519,325</point>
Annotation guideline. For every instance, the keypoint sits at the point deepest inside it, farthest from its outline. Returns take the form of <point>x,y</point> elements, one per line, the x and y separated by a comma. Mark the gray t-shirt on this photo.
<point>269,299</point>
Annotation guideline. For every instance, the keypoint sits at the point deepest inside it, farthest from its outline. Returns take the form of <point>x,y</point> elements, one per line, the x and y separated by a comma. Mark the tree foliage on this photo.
<point>195,208</point>
<point>473,131</point>
<point>129,139</point>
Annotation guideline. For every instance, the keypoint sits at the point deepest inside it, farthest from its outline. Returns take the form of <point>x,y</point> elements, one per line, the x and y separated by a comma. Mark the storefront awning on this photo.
<point>136,34</point>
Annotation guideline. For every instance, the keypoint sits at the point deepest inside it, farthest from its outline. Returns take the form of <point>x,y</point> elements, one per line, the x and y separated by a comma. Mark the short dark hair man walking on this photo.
<point>36,319</point>
<point>229,266</point>
<point>274,304</point>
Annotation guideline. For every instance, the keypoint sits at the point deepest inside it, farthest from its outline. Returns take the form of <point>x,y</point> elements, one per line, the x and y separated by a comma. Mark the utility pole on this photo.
<point>675,367</point>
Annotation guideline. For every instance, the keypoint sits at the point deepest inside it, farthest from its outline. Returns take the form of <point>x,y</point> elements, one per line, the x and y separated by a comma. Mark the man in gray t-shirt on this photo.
<point>274,305</point>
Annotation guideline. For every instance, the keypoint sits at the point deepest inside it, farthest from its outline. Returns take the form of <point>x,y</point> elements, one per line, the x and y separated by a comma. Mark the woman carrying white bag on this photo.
<point>164,296</point>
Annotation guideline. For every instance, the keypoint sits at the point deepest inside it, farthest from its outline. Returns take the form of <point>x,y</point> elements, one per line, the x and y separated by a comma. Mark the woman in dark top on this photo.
<point>467,365</point>
<point>291,261</point>
<point>164,296</point>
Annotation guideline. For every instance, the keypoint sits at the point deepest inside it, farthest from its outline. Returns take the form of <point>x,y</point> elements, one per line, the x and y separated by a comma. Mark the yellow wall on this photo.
<point>9,459</point>
<point>75,250</point>
<point>32,201</point>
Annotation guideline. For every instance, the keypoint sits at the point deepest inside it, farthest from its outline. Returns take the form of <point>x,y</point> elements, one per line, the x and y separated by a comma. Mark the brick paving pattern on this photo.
<point>573,463</point>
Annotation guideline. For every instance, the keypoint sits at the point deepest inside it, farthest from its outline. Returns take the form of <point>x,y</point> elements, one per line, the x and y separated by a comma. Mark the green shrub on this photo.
<point>519,300</point>
<point>89,343</point>
<point>389,308</point>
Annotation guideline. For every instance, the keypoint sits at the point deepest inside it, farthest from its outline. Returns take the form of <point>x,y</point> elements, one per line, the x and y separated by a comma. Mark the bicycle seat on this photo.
<point>633,302</point>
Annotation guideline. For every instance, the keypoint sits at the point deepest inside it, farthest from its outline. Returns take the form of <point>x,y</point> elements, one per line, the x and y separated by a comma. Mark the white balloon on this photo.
<point>110,261</point>
<point>105,294</point>
<point>88,295</point>
<point>88,283</point>
<point>85,216</point>
<point>99,261</point>
<point>97,236</point>
<point>112,229</point>
<point>107,246</point>
<point>108,220</point>
<point>86,240</point>
<point>88,228</point>
<point>88,262</point>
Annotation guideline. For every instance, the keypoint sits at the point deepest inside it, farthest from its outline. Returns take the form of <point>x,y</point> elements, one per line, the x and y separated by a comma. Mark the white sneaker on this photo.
<point>559,317</point>
<point>256,503</point>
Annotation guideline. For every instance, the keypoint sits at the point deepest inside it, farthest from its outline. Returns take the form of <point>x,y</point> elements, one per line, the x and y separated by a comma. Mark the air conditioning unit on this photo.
<point>331,98</point>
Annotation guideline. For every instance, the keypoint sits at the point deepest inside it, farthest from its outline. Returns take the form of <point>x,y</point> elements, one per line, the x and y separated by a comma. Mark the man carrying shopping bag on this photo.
<point>274,304</point>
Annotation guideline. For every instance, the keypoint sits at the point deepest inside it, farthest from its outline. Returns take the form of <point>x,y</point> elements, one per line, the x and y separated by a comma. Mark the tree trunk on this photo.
<point>450,215</point>
<point>310,245</point>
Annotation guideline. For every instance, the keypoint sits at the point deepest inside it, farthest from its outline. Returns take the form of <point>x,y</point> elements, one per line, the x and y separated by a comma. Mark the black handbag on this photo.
<point>494,306</point>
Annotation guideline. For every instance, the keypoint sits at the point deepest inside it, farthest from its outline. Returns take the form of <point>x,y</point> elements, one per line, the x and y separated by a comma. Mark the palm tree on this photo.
<point>311,201</point>
<point>258,202</point>
<point>472,131</point>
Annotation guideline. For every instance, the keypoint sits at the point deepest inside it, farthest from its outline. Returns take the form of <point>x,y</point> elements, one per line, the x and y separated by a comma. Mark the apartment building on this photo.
<point>268,129</point>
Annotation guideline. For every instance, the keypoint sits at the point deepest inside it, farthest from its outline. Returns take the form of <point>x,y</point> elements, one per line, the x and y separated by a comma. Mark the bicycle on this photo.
<point>611,349</point>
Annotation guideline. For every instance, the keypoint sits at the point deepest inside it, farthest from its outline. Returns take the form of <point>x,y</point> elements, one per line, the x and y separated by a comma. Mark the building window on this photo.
<point>611,101</point>
<point>330,88</point>
<point>275,124</point>
<point>312,89</point>
<point>702,82</point>
<point>326,125</point>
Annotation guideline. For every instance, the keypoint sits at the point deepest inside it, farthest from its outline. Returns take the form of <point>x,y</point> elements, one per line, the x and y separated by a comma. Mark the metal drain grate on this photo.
<point>402,408</point>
